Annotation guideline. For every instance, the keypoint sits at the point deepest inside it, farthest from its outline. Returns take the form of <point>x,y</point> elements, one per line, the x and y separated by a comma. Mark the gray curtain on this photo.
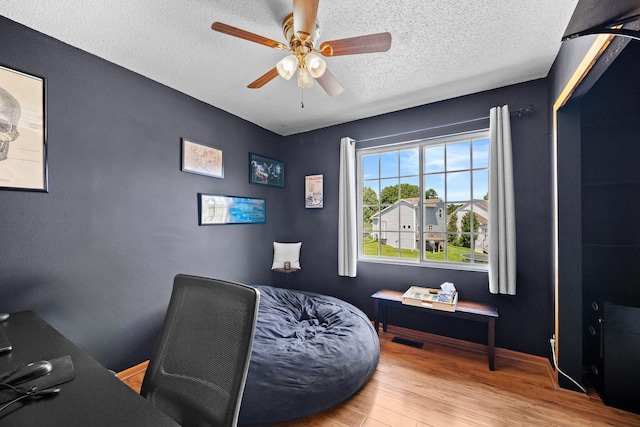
<point>502,221</point>
<point>347,224</point>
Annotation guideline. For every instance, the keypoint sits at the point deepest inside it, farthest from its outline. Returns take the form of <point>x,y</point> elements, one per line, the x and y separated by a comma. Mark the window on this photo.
<point>425,202</point>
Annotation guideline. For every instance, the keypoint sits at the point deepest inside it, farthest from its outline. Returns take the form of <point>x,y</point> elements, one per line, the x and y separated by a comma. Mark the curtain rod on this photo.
<point>524,110</point>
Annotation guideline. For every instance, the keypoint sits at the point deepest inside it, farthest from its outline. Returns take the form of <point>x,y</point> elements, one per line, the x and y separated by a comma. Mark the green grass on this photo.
<point>454,255</point>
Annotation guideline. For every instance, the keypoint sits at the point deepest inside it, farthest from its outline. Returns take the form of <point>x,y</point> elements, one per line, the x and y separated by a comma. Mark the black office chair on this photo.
<point>198,369</point>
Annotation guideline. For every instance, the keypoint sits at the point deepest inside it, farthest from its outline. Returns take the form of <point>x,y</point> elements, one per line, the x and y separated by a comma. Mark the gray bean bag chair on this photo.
<point>310,352</point>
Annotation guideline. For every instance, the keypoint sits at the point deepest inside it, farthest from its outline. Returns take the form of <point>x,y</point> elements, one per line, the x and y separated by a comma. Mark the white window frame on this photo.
<point>420,144</point>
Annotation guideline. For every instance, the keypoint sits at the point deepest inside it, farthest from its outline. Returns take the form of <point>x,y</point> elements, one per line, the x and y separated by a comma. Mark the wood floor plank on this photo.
<point>448,383</point>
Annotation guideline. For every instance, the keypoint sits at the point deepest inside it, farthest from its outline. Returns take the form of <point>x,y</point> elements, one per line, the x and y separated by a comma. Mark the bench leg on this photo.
<point>491,341</point>
<point>376,315</point>
<point>383,317</point>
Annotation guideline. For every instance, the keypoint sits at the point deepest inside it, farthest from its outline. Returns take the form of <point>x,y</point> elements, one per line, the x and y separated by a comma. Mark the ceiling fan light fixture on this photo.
<point>315,65</point>
<point>287,67</point>
<point>304,79</point>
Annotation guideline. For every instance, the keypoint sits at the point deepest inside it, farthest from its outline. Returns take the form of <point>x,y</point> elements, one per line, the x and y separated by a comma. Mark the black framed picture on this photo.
<point>266,171</point>
<point>313,191</point>
<point>23,131</point>
<point>216,209</point>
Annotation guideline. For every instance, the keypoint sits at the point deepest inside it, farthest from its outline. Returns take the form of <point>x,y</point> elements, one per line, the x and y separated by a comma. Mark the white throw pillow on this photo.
<point>286,252</point>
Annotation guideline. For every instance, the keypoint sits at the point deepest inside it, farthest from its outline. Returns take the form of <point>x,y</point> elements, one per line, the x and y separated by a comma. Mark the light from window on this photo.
<point>426,202</point>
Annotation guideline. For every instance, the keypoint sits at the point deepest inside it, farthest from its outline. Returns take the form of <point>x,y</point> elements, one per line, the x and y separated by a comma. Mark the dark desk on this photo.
<point>95,397</point>
<point>464,310</point>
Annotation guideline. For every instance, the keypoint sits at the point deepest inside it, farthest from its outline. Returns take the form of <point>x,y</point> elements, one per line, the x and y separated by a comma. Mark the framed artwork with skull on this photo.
<point>23,137</point>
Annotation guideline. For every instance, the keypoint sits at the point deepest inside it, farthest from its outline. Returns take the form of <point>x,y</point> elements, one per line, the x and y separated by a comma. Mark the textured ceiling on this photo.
<point>440,49</point>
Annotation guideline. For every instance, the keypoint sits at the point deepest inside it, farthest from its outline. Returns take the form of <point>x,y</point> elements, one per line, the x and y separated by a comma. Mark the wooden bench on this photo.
<point>464,310</point>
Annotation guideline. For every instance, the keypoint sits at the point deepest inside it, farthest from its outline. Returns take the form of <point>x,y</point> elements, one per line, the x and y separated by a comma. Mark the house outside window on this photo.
<point>426,202</point>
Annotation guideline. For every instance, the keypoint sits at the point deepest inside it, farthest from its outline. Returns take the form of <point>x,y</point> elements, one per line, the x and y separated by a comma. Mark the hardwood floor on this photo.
<point>448,383</point>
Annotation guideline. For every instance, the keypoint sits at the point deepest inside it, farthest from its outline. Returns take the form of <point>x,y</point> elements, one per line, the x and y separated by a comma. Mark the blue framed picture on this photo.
<point>266,171</point>
<point>215,209</point>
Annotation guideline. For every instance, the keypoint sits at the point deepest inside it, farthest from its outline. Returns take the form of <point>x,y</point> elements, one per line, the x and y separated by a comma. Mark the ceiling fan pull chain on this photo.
<point>301,98</point>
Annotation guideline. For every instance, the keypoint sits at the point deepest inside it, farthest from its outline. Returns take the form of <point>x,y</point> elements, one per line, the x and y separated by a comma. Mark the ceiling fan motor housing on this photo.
<point>299,43</point>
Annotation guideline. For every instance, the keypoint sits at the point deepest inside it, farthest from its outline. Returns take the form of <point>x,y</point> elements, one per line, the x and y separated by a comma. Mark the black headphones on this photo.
<point>31,371</point>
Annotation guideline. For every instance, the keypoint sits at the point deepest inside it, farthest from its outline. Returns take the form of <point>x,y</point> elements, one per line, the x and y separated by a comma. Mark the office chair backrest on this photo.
<point>198,369</point>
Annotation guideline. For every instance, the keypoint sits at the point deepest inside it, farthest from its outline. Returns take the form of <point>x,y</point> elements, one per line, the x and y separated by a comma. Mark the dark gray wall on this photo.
<point>526,320</point>
<point>96,255</point>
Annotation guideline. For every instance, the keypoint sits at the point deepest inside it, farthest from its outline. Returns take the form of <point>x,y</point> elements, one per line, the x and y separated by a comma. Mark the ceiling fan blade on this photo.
<point>264,79</point>
<point>305,13</point>
<point>330,84</point>
<point>237,32</point>
<point>380,42</point>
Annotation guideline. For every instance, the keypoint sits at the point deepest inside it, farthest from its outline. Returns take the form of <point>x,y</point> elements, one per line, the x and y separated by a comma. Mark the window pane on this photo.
<point>434,216</point>
<point>481,248</point>
<point>389,192</point>
<point>370,166</point>
<point>370,218</point>
<point>410,188</point>
<point>481,153</point>
<point>389,164</point>
<point>375,227</point>
<point>481,184</point>
<point>390,244</point>
<point>409,162</point>
<point>409,246</point>
<point>458,156</point>
<point>456,252</point>
<point>371,192</point>
<point>370,245</point>
<point>434,159</point>
<point>435,183</point>
<point>434,246</point>
<point>458,187</point>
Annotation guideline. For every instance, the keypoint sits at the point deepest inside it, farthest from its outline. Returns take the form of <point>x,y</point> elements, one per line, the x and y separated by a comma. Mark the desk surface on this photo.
<point>95,397</point>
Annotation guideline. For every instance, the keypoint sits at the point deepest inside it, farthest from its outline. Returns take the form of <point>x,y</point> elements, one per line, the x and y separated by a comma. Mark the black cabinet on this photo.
<point>614,349</point>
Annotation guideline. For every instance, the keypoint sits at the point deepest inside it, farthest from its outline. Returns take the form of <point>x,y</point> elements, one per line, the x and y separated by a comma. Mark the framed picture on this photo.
<point>23,132</point>
<point>313,192</point>
<point>266,171</point>
<point>201,159</point>
<point>215,209</point>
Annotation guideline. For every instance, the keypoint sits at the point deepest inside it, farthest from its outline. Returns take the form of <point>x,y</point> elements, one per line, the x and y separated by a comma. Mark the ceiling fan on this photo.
<point>301,31</point>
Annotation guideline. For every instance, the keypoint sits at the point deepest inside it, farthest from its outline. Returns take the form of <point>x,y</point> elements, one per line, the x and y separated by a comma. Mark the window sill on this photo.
<point>447,266</point>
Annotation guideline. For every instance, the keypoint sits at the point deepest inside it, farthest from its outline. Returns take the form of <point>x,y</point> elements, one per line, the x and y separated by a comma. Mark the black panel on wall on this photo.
<point>611,241</point>
<point>526,320</point>
<point>96,255</point>
<point>611,182</point>
<point>569,169</point>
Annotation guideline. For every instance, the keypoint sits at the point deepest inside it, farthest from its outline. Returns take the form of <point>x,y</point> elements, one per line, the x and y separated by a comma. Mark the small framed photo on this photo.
<point>23,132</point>
<point>266,171</point>
<point>216,209</point>
<point>313,192</point>
<point>201,159</point>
